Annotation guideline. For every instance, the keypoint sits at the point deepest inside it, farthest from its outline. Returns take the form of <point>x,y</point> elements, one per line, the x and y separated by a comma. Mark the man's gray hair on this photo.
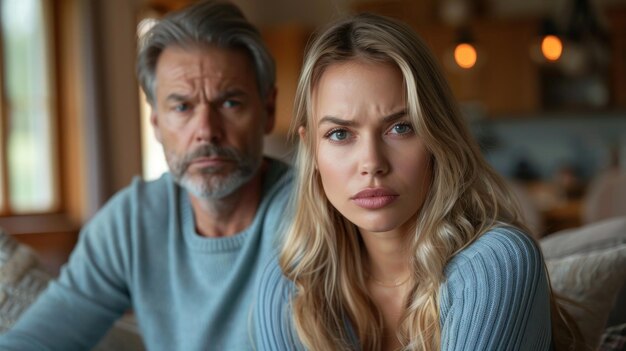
<point>205,23</point>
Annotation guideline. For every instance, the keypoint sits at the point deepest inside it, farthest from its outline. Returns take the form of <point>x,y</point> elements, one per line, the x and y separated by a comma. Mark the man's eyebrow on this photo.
<point>177,97</point>
<point>220,96</point>
<point>229,94</point>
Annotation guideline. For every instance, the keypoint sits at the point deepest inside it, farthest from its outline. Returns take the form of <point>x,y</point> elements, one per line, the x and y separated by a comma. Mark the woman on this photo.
<point>403,237</point>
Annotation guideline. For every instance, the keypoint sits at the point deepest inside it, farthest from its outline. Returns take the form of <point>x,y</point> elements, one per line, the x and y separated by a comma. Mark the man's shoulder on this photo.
<point>150,198</point>
<point>278,175</point>
<point>141,191</point>
<point>278,181</point>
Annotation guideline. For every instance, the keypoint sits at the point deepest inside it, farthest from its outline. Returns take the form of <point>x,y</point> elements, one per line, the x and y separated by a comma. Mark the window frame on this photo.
<point>53,234</point>
<point>50,34</point>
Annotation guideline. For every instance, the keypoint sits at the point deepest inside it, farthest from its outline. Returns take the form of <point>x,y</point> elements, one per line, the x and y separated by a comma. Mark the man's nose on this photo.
<point>209,126</point>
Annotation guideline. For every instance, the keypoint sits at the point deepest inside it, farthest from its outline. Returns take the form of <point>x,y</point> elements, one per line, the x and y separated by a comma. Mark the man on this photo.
<point>184,251</point>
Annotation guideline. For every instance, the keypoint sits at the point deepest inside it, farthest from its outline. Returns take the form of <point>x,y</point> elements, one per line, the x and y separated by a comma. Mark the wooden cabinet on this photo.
<point>506,80</point>
<point>287,44</point>
<point>617,28</point>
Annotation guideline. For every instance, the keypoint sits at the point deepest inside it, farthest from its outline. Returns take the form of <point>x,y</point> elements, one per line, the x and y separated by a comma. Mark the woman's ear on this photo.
<point>302,132</point>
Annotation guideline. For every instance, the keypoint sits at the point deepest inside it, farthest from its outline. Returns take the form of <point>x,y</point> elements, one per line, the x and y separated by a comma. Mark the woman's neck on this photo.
<point>388,256</point>
<point>389,279</point>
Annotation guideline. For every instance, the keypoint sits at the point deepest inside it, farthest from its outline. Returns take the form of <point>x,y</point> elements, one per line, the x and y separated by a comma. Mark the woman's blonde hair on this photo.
<point>323,253</point>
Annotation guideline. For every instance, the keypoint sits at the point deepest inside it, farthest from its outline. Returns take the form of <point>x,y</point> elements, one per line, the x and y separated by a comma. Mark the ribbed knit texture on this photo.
<point>141,251</point>
<point>495,297</point>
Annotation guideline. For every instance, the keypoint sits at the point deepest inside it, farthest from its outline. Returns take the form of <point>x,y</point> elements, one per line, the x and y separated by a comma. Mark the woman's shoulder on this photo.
<point>500,246</point>
<point>498,283</point>
<point>505,257</point>
<point>273,286</point>
<point>272,311</point>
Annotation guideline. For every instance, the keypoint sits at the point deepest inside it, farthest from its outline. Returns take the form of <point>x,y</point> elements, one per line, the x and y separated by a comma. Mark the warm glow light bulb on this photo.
<point>465,55</point>
<point>551,47</point>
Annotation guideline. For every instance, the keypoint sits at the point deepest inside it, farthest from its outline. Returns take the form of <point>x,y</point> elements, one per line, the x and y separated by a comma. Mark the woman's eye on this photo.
<point>338,135</point>
<point>401,128</point>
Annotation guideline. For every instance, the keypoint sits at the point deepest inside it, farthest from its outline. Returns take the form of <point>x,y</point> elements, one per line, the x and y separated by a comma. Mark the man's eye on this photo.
<point>401,128</point>
<point>182,107</point>
<point>231,103</point>
<point>338,135</point>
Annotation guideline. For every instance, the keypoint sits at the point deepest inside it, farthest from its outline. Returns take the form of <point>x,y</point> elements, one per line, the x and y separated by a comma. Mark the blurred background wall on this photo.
<point>541,83</point>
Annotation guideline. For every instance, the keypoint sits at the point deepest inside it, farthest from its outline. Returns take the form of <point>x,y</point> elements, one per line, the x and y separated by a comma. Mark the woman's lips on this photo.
<point>374,198</point>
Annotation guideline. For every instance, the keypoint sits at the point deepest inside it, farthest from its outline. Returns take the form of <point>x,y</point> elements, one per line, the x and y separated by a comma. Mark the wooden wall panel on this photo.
<point>287,44</point>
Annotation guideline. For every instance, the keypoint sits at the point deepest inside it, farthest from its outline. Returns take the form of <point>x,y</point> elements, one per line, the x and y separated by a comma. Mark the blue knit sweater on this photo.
<point>141,251</point>
<point>495,297</point>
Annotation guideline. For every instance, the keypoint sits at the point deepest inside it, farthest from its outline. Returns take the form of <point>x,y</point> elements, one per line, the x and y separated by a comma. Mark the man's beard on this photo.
<point>213,182</point>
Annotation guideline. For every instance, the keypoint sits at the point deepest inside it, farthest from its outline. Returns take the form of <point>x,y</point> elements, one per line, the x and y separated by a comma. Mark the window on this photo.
<point>153,159</point>
<point>28,148</point>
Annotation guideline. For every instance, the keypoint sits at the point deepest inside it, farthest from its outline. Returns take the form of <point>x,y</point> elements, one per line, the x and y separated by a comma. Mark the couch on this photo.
<point>586,265</point>
<point>22,278</point>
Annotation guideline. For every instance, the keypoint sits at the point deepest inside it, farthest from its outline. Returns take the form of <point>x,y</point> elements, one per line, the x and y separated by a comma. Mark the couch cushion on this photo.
<point>597,236</point>
<point>614,339</point>
<point>21,279</point>
<point>592,280</point>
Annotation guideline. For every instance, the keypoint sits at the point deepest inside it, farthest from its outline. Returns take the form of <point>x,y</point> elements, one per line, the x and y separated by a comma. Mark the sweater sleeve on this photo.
<point>76,310</point>
<point>273,329</point>
<point>496,296</point>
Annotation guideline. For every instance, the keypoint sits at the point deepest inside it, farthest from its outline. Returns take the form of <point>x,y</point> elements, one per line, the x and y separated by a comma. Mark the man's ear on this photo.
<point>270,109</point>
<point>154,121</point>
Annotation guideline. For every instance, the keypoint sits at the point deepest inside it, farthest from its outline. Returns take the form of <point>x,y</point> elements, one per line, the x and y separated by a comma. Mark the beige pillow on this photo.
<point>596,236</point>
<point>593,280</point>
<point>21,279</point>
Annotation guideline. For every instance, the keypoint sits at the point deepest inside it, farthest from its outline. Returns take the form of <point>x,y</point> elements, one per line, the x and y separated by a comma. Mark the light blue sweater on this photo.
<point>495,297</point>
<point>141,251</point>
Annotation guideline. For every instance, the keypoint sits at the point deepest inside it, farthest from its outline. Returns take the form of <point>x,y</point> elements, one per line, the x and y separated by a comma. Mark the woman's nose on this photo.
<point>372,159</point>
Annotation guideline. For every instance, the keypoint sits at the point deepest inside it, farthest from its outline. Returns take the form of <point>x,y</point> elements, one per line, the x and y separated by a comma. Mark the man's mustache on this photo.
<point>210,150</point>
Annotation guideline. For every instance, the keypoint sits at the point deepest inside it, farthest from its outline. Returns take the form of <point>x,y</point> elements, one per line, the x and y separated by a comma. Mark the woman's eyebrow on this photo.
<point>394,116</point>
<point>347,123</point>
<point>336,120</point>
